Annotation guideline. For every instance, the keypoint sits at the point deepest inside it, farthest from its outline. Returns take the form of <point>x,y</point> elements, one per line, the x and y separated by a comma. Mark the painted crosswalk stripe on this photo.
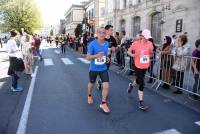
<point>48,62</point>
<point>198,123</point>
<point>57,52</point>
<point>84,60</point>
<point>170,131</point>
<point>67,61</point>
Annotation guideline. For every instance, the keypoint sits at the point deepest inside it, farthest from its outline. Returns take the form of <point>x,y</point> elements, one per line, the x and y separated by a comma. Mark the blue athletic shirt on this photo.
<point>94,48</point>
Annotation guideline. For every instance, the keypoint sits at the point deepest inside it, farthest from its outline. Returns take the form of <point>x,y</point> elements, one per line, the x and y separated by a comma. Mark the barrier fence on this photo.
<point>166,70</point>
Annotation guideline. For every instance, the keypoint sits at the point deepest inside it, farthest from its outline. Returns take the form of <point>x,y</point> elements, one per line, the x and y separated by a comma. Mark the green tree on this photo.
<point>78,31</point>
<point>18,14</point>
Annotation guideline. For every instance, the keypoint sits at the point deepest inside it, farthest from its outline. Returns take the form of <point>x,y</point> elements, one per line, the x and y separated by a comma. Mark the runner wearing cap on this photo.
<point>141,51</point>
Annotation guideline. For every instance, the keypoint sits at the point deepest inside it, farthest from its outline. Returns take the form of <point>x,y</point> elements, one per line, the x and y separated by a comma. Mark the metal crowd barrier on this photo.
<point>166,69</point>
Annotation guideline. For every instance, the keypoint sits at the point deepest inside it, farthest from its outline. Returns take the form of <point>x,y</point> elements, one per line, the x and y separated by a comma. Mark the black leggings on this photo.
<point>63,48</point>
<point>140,74</point>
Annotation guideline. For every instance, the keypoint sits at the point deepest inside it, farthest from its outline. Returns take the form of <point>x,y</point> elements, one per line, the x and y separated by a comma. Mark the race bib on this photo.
<point>144,59</point>
<point>100,61</point>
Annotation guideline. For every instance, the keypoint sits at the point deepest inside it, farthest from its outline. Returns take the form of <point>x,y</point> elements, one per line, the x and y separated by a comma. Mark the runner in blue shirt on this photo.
<point>98,54</point>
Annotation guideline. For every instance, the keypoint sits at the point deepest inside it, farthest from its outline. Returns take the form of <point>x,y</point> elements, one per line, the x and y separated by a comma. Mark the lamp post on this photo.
<point>85,19</point>
<point>164,9</point>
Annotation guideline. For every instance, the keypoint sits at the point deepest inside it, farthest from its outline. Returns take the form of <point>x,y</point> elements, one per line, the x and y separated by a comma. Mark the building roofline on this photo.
<point>73,6</point>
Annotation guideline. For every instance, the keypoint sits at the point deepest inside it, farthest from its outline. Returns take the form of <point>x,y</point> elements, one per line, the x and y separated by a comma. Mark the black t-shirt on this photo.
<point>112,42</point>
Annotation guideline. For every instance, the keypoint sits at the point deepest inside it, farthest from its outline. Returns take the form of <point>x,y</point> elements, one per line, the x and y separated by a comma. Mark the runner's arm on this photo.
<point>90,57</point>
<point>90,53</point>
<point>130,52</point>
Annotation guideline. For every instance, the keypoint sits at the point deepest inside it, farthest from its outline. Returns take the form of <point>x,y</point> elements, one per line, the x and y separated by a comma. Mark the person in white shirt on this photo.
<point>13,53</point>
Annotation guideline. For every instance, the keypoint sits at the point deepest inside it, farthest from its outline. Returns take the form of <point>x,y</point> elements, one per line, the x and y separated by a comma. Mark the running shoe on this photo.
<point>130,88</point>
<point>105,107</point>
<point>142,106</point>
<point>18,89</point>
<point>90,99</point>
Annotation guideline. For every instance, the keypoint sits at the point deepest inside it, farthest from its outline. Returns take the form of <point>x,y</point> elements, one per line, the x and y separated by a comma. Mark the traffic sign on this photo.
<point>91,21</point>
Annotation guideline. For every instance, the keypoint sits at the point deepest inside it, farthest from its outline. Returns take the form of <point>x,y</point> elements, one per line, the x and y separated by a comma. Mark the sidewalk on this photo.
<point>3,49</point>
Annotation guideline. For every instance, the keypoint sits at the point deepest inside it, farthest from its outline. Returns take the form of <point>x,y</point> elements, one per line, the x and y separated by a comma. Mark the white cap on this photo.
<point>146,33</point>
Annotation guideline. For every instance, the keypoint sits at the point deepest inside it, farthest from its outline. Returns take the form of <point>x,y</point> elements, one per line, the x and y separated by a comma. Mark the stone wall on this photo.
<point>171,11</point>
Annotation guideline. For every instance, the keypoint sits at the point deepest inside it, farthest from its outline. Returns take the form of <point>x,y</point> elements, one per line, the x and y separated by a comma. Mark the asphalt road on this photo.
<point>59,104</point>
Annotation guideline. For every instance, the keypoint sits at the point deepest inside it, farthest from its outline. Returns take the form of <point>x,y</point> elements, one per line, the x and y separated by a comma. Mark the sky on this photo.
<point>54,10</point>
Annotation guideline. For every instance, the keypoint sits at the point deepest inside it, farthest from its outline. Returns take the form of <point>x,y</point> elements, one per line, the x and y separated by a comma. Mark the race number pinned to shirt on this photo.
<point>100,61</point>
<point>144,59</point>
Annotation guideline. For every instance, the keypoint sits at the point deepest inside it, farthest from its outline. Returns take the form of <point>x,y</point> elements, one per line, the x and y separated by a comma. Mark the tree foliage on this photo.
<point>78,31</point>
<point>17,14</point>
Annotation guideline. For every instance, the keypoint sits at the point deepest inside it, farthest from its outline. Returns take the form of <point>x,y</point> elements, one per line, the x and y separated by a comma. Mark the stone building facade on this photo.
<point>92,10</point>
<point>162,17</point>
<point>73,17</point>
<point>95,12</point>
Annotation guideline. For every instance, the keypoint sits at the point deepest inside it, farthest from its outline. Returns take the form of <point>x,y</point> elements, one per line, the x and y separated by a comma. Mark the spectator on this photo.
<point>150,69</point>
<point>180,62</point>
<point>57,41</point>
<point>120,53</point>
<point>173,41</point>
<point>63,44</point>
<point>196,69</point>
<point>37,46</point>
<point>28,55</point>
<point>85,41</point>
<point>1,43</point>
<point>5,39</point>
<point>117,38</point>
<point>13,51</point>
<point>91,38</point>
<point>166,61</point>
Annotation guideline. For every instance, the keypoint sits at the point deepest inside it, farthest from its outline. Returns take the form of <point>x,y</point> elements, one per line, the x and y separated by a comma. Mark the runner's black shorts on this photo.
<point>103,76</point>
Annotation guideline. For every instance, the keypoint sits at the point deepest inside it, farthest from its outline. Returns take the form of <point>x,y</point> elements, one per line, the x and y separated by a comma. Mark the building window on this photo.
<point>156,27</point>
<point>136,25</point>
<point>124,6</point>
<point>123,25</point>
<point>92,12</point>
<point>155,1</point>
<point>102,12</point>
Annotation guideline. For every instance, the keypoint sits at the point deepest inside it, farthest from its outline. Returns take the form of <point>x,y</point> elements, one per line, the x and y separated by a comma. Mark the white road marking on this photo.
<point>24,117</point>
<point>198,123</point>
<point>57,52</point>
<point>170,131</point>
<point>67,61</point>
<point>84,60</point>
<point>48,62</point>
